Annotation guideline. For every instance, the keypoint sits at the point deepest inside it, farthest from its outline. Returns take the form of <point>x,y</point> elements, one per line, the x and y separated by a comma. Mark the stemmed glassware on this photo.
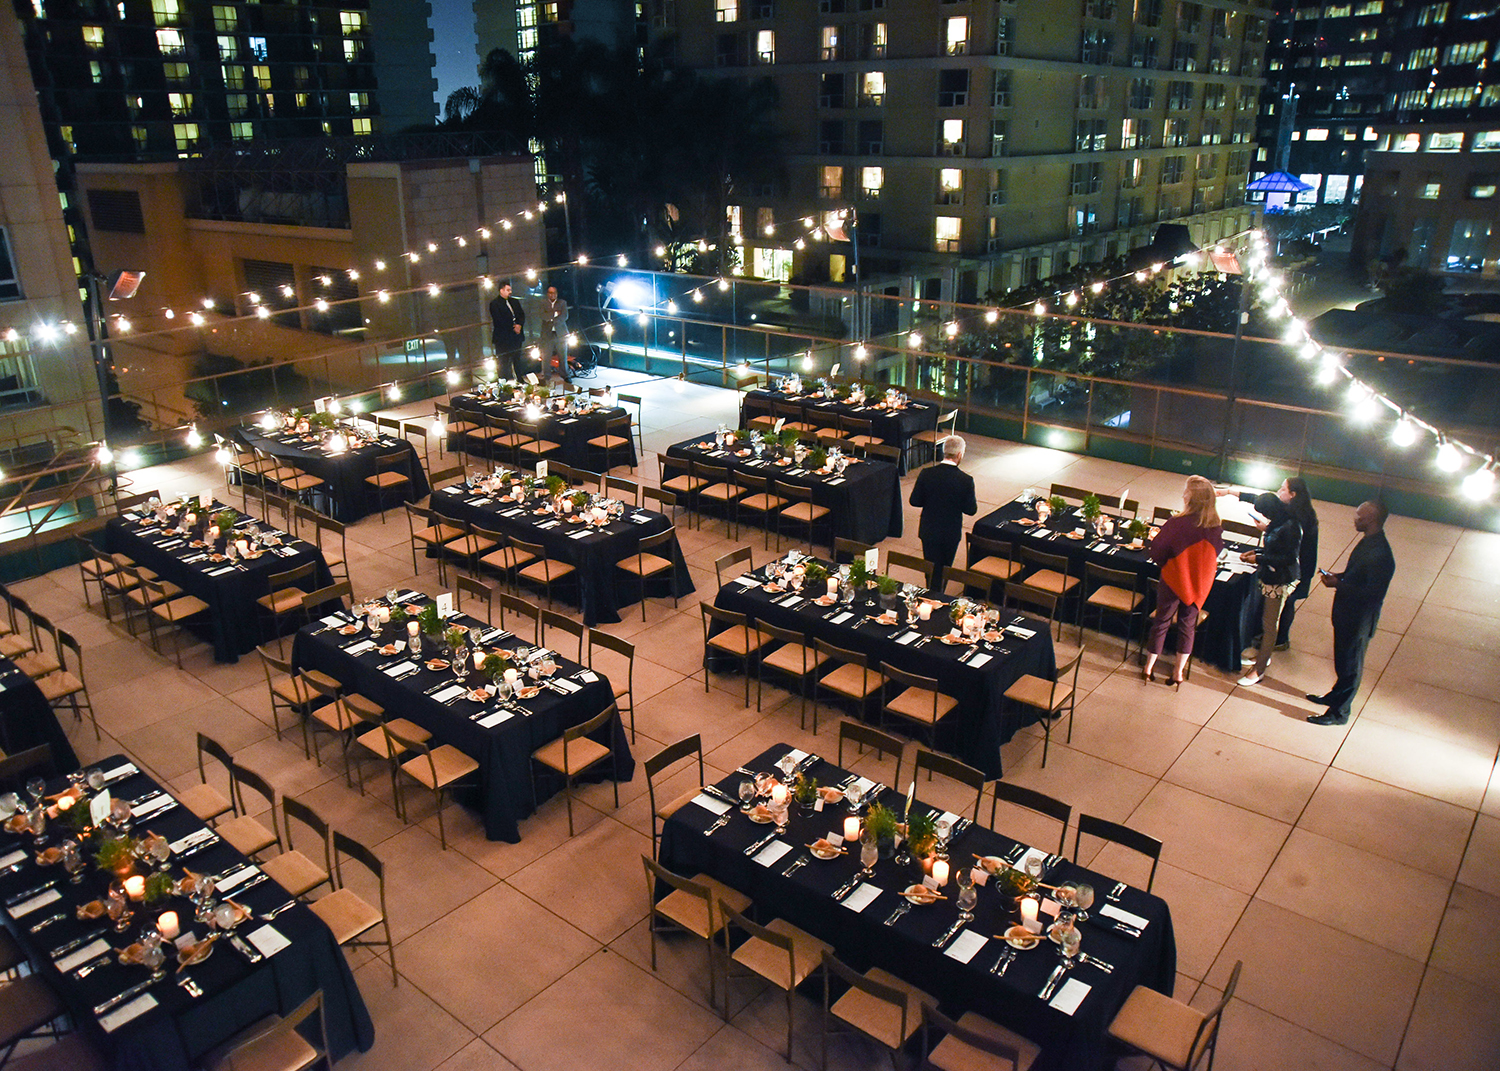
<point>36,820</point>
<point>1068,940</point>
<point>72,861</point>
<point>1083,899</point>
<point>944,829</point>
<point>855,795</point>
<point>869,852</point>
<point>118,906</point>
<point>786,764</point>
<point>1034,866</point>
<point>152,955</point>
<point>36,788</point>
<point>966,894</point>
<point>747,795</point>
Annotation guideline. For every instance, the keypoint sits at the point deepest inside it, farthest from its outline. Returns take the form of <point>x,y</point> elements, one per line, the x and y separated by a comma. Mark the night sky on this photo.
<point>453,46</point>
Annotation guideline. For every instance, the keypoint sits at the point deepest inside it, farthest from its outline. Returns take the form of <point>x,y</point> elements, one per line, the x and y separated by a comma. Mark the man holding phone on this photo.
<point>1358,594</point>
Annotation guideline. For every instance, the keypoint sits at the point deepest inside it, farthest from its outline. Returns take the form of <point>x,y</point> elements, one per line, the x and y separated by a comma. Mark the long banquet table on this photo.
<point>977,678</point>
<point>896,427</point>
<point>177,1031</point>
<point>344,472</point>
<point>864,503</point>
<point>1231,601</point>
<point>868,937</point>
<point>500,738</point>
<point>571,431</point>
<point>603,588</point>
<point>27,719</point>
<point>230,588</point>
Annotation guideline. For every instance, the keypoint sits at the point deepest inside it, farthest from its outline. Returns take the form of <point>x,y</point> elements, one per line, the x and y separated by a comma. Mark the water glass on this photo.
<point>1083,899</point>
<point>855,795</point>
<point>36,788</point>
<point>967,895</point>
<point>869,852</point>
<point>1034,866</point>
<point>1068,940</point>
<point>747,795</point>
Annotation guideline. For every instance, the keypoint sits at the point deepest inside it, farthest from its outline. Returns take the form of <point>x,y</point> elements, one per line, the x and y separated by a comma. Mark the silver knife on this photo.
<point>244,949</point>
<point>63,950</point>
<point>941,941</point>
<point>116,1001</point>
<point>758,845</point>
<point>1052,981</point>
<point>1107,968</point>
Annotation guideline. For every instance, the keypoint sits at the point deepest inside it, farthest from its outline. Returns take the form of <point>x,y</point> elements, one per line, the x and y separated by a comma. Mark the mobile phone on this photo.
<point>1324,572</point>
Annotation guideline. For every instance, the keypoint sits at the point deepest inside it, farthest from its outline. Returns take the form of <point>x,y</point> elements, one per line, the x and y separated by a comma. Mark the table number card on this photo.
<point>445,604</point>
<point>531,378</point>
<point>205,499</point>
<point>834,372</point>
<point>541,469</point>
<point>99,808</point>
<point>320,405</point>
<point>872,559</point>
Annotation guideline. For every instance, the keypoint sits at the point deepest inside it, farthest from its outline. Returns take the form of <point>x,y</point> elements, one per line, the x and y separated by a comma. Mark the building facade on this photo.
<point>1343,76</point>
<point>982,145</point>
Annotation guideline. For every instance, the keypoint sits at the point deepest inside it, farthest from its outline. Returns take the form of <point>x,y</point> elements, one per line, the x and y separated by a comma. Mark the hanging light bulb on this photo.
<point>1097,288</point>
<point>1448,458</point>
<point>1039,309</point>
<point>1480,484</point>
<point>1309,351</point>
<point>1363,405</point>
<point>860,352</point>
<point>393,392</point>
<point>194,437</point>
<point>1404,433</point>
<point>1328,371</point>
<point>992,316</point>
<point>914,340</point>
<point>453,377</point>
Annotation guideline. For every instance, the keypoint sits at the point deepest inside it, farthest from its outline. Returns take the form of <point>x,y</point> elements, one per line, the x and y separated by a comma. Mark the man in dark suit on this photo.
<point>1358,593</point>
<point>509,332</point>
<point>945,495</point>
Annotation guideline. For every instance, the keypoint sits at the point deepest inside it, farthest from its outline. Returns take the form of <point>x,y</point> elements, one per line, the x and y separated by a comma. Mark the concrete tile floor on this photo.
<point>1350,868</point>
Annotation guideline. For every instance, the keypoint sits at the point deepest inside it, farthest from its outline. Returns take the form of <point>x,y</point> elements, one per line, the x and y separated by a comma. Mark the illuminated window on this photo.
<point>169,41</point>
<point>1407,142</point>
<point>226,18</point>
<point>180,103</point>
<point>872,180</point>
<point>1419,58</point>
<point>1486,141</point>
<point>1004,35</point>
<point>1482,187</point>
<point>67,136</point>
<point>1466,52</point>
<point>176,73</point>
<point>258,48</point>
<point>1430,191</point>
<point>1433,15</point>
<point>726,10</point>
<point>96,72</point>
<point>352,22</point>
<point>952,133</point>
<point>765,46</point>
<point>166,12</point>
<point>359,102</point>
<point>262,76</point>
<point>186,135</point>
<point>1446,141</point>
<point>363,126</point>
<point>878,41</point>
<point>873,89</point>
<point>1317,134</point>
<point>93,36</point>
<point>234,78</point>
<point>1336,189</point>
<point>957,35</point>
<point>229,48</point>
<point>832,182</point>
<point>138,136</point>
<point>301,100</point>
<point>950,186</point>
<point>734,216</point>
<point>830,39</point>
<point>242,131</point>
<point>999,128</point>
<point>947,231</point>
<point>997,190</point>
<point>1453,97</point>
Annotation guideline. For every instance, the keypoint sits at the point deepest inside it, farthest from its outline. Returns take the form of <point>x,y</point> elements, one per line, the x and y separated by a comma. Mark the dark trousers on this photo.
<point>939,555</point>
<point>1349,644</point>
<point>510,365</point>
<point>1170,608</point>
<point>1288,615</point>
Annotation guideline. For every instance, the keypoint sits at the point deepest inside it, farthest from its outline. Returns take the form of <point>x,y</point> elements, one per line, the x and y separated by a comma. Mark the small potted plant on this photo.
<point>817,459</point>
<point>1137,530</point>
<point>158,886</point>
<point>115,853</point>
<point>788,439</point>
<point>815,573</point>
<point>1056,505</point>
<point>890,594</point>
<point>428,619</point>
<point>1091,509</point>
<point>881,824</point>
<point>399,615</point>
<point>805,792</point>
<point>454,638</point>
<point>921,835</point>
<point>556,485</point>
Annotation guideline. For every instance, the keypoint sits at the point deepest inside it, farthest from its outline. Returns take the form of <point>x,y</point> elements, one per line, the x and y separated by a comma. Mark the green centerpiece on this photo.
<point>429,620</point>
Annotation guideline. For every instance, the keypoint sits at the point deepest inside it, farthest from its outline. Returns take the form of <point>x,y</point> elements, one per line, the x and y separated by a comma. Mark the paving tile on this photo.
<point>1339,987</point>
<point>1251,715</point>
<point>1468,937</point>
<point>517,960</point>
<point>411,1030</point>
<point>1252,1040</point>
<point>1417,830</point>
<point>1203,914</point>
<point>1249,775</point>
<point>476,1056</point>
<point>1446,771</point>
<point>1208,837</point>
<point>1455,1026</point>
<point>1383,902</point>
<point>1148,743</point>
<point>567,879</point>
<point>1432,711</point>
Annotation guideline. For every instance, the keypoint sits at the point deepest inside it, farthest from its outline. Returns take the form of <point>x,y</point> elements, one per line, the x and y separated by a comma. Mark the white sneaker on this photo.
<point>1249,680</point>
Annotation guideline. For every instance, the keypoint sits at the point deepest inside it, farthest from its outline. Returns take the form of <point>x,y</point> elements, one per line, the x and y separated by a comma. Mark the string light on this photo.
<point>1480,483</point>
<point>1404,433</point>
<point>1448,458</point>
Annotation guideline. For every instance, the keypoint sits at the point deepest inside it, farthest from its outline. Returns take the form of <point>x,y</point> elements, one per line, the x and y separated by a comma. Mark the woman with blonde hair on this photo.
<point>1187,549</point>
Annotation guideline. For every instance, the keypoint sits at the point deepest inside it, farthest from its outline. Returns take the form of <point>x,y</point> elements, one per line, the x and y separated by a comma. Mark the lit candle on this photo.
<point>924,610</point>
<point>940,872</point>
<point>478,659</point>
<point>833,585</point>
<point>384,613</point>
<point>412,628</point>
<point>244,547</point>
<point>1028,914</point>
<point>168,926</point>
<point>135,887</point>
<point>65,802</point>
<point>511,676</point>
<point>778,794</point>
<point>851,828</point>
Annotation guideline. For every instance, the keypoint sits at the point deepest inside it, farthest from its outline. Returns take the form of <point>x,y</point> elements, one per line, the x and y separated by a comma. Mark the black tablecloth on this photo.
<point>571,432</point>
<point>905,948</point>
<point>896,428</point>
<point>176,1034</point>
<point>603,588</point>
<point>503,751</point>
<point>235,623</point>
<point>345,472</point>
<point>1230,604</point>
<point>983,720</point>
<point>27,719</point>
<point>865,504</point>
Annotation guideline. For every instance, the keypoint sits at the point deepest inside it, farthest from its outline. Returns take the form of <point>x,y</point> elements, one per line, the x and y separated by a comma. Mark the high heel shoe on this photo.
<point>1176,683</point>
<point>1148,676</point>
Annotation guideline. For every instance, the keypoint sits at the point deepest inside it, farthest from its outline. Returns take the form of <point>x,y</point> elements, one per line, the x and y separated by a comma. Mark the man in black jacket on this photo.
<point>509,332</point>
<point>1358,594</point>
<point>945,495</point>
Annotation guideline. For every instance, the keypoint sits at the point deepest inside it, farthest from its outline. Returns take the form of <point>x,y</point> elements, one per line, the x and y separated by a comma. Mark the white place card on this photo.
<point>909,637</point>
<point>872,559</point>
<point>119,773</point>
<point>566,685</point>
<point>965,946</point>
<point>399,668</point>
<point>835,481</point>
<point>205,499</point>
<point>238,878</point>
<point>1121,915</point>
<point>772,852</point>
<point>26,907</point>
<point>1223,574</point>
<point>979,660</point>
<point>268,940</point>
<point>1067,999</point>
<point>192,840</point>
<point>12,858</point>
<point>709,804</point>
<point>126,1012</point>
<point>445,605</point>
<point>797,754</point>
<point>99,808</point>
<point>541,469</point>
<point>862,897</point>
<point>155,806</point>
<point>836,839</point>
<point>451,692</point>
<point>332,621</point>
<point>408,596</point>
<point>1018,631</point>
<point>588,676</point>
<point>79,956</point>
<point>582,533</point>
<point>221,572</point>
<point>865,784</point>
<point>953,819</point>
<point>360,648</point>
<point>489,721</point>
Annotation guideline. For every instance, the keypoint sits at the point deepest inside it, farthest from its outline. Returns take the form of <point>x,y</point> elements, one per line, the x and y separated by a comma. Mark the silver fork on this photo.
<point>901,909</point>
<point>1003,963</point>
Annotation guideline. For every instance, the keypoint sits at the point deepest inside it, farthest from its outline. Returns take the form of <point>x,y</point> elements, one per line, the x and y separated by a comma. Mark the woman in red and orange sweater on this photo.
<point>1187,549</point>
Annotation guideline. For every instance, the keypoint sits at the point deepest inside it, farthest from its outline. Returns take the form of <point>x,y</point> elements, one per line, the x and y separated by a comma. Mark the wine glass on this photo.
<point>869,852</point>
<point>944,828</point>
<point>1034,866</point>
<point>855,795</point>
<point>153,957</point>
<point>786,764</point>
<point>747,795</point>
<point>36,788</point>
<point>1068,940</point>
<point>1083,899</point>
<point>161,853</point>
<point>118,907</point>
<point>10,803</point>
<point>1064,895</point>
<point>966,893</point>
<point>95,779</point>
<point>36,819</point>
<point>72,861</point>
